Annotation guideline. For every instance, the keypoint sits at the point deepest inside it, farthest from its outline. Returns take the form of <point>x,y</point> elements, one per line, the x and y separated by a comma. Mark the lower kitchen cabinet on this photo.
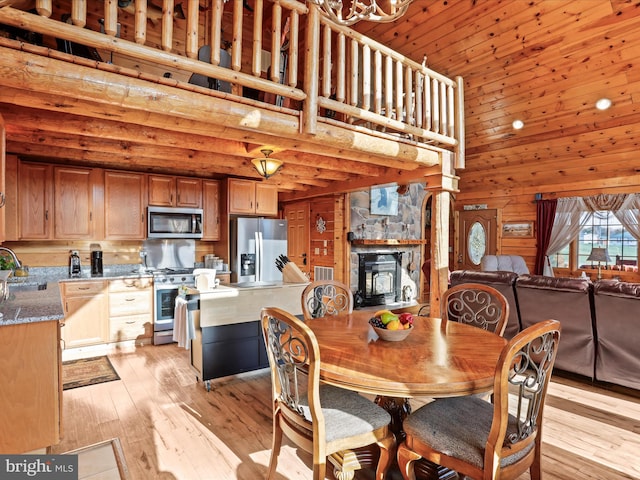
<point>131,310</point>
<point>227,350</point>
<point>31,394</point>
<point>85,313</point>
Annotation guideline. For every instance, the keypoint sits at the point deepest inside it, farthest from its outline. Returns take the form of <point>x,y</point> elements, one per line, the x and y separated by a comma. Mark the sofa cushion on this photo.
<point>568,300</point>
<point>618,325</point>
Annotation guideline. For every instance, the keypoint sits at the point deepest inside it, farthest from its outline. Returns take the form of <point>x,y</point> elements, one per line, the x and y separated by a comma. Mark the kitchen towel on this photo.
<point>183,329</point>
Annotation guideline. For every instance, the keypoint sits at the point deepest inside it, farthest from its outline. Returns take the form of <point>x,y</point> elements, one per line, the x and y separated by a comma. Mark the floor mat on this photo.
<point>87,371</point>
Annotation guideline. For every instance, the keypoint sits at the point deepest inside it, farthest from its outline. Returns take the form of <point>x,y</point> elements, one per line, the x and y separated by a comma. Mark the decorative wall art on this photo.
<point>517,230</point>
<point>384,200</point>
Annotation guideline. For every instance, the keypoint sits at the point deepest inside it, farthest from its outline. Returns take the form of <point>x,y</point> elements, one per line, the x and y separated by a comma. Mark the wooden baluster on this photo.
<point>236,50</point>
<point>310,109</point>
<point>428,112</point>
<point>377,62</point>
<point>459,122</point>
<point>111,17</point>
<point>366,77</point>
<point>419,80</point>
<point>276,31</point>
<point>294,35</point>
<point>167,25</point>
<point>341,60</point>
<point>216,31</point>
<point>79,12</point>
<point>408,96</point>
<point>399,90</point>
<point>256,66</point>
<point>388,86</point>
<point>191,42</point>
<point>140,34</point>
<point>435,97</point>
<point>44,8</point>
<point>327,60</point>
<point>353,87</point>
<point>450,111</point>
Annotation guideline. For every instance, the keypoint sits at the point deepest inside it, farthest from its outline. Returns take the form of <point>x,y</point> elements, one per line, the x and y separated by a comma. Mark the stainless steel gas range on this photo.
<point>171,263</point>
<point>166,286</point>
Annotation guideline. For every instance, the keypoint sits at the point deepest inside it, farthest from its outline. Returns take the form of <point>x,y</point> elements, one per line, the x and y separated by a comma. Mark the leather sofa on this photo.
<point>617,313</point>
<point>600,322</point>
<point>569,300</point>
<point>504,282</point>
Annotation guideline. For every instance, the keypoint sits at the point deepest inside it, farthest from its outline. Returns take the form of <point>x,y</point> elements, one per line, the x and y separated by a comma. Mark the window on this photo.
<point>602,230</point>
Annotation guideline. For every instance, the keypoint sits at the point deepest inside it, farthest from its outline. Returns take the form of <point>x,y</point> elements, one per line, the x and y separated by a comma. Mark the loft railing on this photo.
<point>344,78</point>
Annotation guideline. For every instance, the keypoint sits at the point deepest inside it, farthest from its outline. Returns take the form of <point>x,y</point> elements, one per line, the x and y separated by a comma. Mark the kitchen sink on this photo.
<point>27,287</point>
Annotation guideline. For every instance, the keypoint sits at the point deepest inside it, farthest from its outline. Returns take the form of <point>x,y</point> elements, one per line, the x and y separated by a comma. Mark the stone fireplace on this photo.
<point>379,277</point>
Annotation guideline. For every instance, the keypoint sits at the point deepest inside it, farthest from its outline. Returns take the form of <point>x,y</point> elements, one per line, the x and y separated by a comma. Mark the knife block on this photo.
<point>292,274</point>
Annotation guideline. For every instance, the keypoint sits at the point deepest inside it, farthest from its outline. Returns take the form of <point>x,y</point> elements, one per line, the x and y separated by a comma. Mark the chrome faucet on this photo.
<point>16,262</point>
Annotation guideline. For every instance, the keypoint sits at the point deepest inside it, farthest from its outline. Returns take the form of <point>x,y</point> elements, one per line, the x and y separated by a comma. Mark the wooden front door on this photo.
<point>297,216</point>
<point>478,233</point>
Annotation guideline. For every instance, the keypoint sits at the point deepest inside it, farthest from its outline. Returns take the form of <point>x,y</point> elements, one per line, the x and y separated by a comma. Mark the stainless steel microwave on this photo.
<point>171,222</point>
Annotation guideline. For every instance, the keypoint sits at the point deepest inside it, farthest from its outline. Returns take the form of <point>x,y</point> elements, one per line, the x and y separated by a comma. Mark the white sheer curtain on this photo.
<point>573,213</point>
<point>629,214</point>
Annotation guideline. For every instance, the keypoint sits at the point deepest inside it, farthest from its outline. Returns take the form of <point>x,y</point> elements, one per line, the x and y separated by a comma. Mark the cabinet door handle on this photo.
<point>2,199</point>
<point>129,299</point>
<point>46,214</point>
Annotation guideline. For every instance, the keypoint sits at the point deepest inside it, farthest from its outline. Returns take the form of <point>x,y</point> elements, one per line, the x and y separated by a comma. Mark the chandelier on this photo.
<point>267,166</point>
<point>348,12</point>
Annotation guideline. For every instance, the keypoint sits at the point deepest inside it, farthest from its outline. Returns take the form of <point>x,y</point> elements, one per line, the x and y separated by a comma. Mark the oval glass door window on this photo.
<point>477,243</point>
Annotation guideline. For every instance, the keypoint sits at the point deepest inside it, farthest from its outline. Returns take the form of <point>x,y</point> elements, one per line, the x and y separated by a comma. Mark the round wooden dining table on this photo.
<point>439,358</point>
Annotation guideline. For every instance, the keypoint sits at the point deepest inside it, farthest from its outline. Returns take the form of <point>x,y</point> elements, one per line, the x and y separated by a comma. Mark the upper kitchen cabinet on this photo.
<point>247,197</point>
<point>76,216</point>
<point>168,191</point>
<point>124,205</point>
<point>211,209</point>
<point>35,201</point>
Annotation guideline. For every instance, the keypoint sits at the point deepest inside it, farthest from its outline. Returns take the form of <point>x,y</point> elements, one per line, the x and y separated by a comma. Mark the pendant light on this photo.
<point>267,166</point>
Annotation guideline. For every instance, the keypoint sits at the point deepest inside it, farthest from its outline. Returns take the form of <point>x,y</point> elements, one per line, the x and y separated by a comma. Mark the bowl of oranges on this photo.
<point>390,326</point>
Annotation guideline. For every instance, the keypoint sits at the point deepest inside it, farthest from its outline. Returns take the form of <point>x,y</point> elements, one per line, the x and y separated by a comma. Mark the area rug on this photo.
<point>104,460</point>
<point>87,371</point>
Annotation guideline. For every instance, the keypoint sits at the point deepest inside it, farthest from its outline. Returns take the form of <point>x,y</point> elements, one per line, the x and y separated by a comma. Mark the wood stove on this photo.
<point>379,277</point>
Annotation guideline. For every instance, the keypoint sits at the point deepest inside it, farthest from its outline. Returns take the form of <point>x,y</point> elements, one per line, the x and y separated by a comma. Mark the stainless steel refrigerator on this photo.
<point>256,243</point>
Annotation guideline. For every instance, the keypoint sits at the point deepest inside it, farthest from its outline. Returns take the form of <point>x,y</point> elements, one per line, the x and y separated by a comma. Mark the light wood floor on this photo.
<point>170,427</point>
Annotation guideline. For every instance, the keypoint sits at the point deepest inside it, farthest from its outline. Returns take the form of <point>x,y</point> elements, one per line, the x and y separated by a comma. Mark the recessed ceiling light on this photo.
<point>518,124</point>
<point>603,104</point>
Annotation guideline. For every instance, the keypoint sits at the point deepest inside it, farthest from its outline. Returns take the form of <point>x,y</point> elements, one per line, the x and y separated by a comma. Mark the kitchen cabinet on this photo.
<point>86,320</point>
<point>31,379</point>
<point>168,191</point>
<point>10,190</point>
<point>35,201</point>
<point>76,216</point>
<point>130,310</point>
<point>124,205</point>
<point>247,197</point>
<point>3,192</point>
<point>211,209</point>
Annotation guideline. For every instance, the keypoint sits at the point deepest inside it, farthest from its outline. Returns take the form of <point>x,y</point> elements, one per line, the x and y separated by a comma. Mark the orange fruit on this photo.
<point>394,325</point>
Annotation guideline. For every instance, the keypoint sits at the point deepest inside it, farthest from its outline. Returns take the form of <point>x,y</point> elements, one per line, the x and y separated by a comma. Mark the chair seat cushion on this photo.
<point>346,413</point>
<point>458,427</point>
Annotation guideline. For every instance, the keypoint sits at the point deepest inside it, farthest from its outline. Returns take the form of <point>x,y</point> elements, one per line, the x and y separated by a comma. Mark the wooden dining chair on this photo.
<point>483,440</point>
<point>326,297</point>
<point>319,418</point>
<point>476,304</point>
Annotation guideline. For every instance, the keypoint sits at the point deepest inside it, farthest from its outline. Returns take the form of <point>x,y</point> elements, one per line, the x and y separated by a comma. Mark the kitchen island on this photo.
<point>228,337</point>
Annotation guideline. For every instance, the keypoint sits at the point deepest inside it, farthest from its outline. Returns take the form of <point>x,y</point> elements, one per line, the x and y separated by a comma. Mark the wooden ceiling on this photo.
<point>544,62</point>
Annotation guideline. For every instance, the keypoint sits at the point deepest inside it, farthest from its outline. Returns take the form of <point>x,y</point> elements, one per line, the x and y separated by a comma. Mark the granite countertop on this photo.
<point>30,301</point>
<point>26,303</point>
